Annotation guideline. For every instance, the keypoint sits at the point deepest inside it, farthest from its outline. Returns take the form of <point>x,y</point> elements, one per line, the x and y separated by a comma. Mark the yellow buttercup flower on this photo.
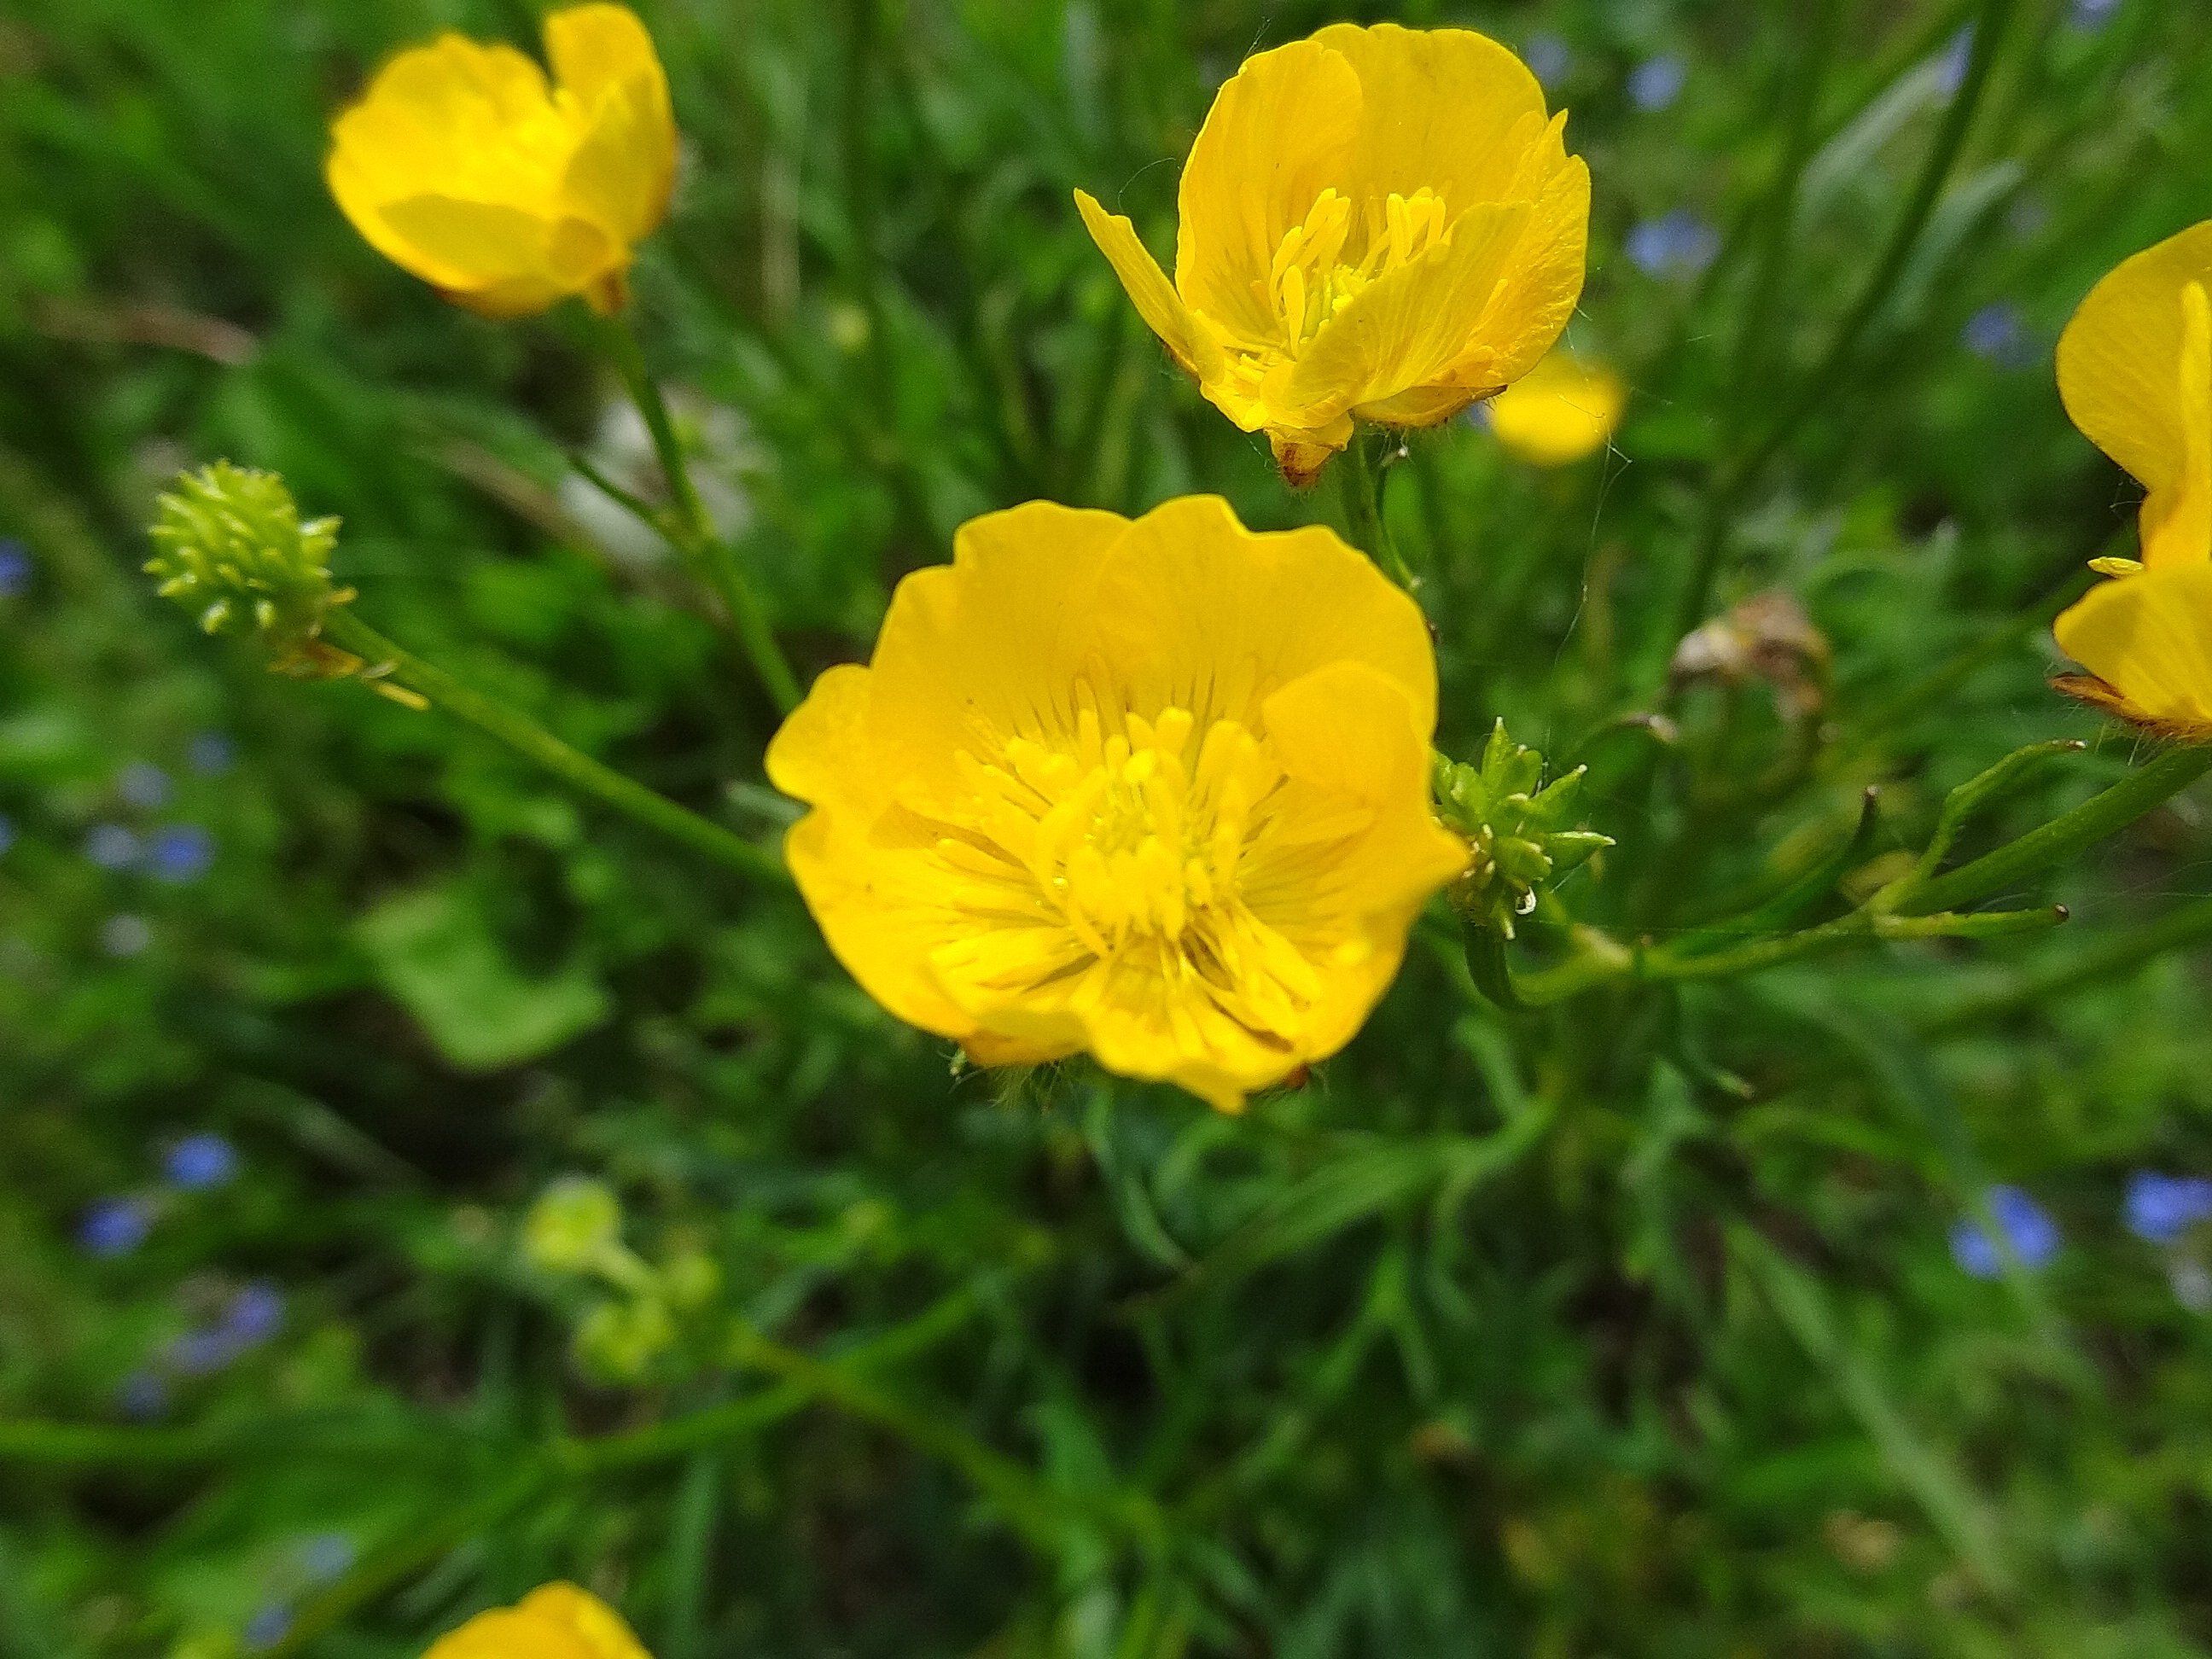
<point>2135,368</point>
<point>558,1621</point>
<point>1377,224</point>
<point>1562,411</point>
<point>461,165</point>
<point>1157,790</point>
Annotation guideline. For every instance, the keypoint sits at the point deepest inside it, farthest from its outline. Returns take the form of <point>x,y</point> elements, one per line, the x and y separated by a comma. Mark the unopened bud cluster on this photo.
<point>1516,828</point>
<point>575,1230</point>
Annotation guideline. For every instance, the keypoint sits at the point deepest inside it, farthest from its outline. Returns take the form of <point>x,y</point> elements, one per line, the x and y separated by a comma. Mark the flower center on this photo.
<point>1134,834</point>
<point>1312,278</point>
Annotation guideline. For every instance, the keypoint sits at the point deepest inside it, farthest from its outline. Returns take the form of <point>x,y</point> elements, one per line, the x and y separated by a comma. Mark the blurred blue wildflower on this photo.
<point>144,786</point>
<point>115,1226</point>
<point>1998,334</point>
<point>268,1627</point>
<point>124,936</point>
<point>327,1555</point>
<point>1680,244</point>
<point>200,1162</point>
<point>212,754</point>
<point>1549,58</point>
<point>2093,13</point>
<point>179,853</point>
<point>7,832</point>
<point>2160,1208</point>
<point>201,1350</point>
<point>2029,1229</point>
<point>255,1315</point>
<point>112,847</point>
<point>142,1397</point>
<point>1657,82</point>
<point>1951,67</point>
<point>15,567</point>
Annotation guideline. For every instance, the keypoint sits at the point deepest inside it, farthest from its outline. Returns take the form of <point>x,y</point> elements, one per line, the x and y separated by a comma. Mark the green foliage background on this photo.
<point>1628,1327</point>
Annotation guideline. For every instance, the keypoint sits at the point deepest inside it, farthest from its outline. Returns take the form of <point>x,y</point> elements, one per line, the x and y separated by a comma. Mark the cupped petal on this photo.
<point>1279,133</point>
<point>1186,336</point>
<point>557,1622</point>
<point>498,259</point>
<point>2149,639</point>
<point>598,1626</point>
<point>2133,383</point>
<point>998,644</point>
<point>1209,617</point>
<point>1439,109</point>
<point>457,118</point>
<point>1404,330</point>
<point>623,169</point>
<point>1542,283</point>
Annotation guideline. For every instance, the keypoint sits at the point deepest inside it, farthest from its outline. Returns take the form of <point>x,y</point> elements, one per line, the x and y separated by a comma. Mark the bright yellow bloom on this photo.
<point>461,165</point>
<point>1379,224</point>
<point>2135,367</point>
<point>558,1621</point>
<point>1155,789</point>
<point>1562,411</point>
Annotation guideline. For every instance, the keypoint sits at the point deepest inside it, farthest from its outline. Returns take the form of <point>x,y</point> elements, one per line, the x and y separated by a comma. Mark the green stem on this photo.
<point>1361,473</point>
<point>2064,837</point>
<point>1818,387</point>
<point>689,529</point>
<point>526,738</point>
<point>2101,965</point>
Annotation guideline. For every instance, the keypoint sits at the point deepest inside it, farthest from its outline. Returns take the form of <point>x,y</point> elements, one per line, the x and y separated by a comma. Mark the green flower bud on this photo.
<point>1515,827</point>
<point>229,546</point>
<point>619,1342</point>
<point>574,1227</point>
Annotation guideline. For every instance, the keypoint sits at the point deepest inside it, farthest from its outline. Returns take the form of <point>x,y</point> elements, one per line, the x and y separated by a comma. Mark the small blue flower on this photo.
<point>255,1315</point>
<point>2030,1230</point>
<point>15,567</point>
<point>112,847</point>
<point>115,1226</point>
<point>124,936</point>
<point>1680,244</point>
<point>1657,82</point>
<point>142,1397</point>
<point>267,1628</point>
<point>144,786</point>
<point>179,853</point>
<point>1951,67</point>
<point>1549,58</point>
<point>327,1555</point>
<point>200,1162</point>
<point>2160,1208</point>
<point>1998,334</point>
<point>203,1350</point>
<point>212,754</point>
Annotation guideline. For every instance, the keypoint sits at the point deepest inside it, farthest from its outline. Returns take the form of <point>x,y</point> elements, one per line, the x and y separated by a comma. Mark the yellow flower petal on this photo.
<point>1562,411</point>
<point>1155,789</point>
<point>2135,368</point>
<point>2148,638</point>
<point>461,165</point>
<point>557,1621</point>
<point>1377,224</point>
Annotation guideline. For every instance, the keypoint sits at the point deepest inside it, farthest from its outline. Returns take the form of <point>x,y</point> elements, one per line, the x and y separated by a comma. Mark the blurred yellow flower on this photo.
<point>1379,224</point>
<point>1157,790</point>
<point>2135,368</point>
<point>558,1621</point>
<point>461,165</point>
<point>1562,411</point>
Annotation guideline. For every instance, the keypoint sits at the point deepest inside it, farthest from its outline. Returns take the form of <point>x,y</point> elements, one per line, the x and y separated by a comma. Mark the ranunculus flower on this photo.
<point>461,165</point>
<point>2135,368</point>
<point>1157,790</point>
<point>1378,224</point>
<point>1562,411</point>
<point>557,1622</point>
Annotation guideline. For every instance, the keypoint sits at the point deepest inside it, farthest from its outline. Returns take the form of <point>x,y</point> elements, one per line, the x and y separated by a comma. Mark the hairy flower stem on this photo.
<point>526,738</point>
<point>689,529</point>
<point>1361,477</point>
